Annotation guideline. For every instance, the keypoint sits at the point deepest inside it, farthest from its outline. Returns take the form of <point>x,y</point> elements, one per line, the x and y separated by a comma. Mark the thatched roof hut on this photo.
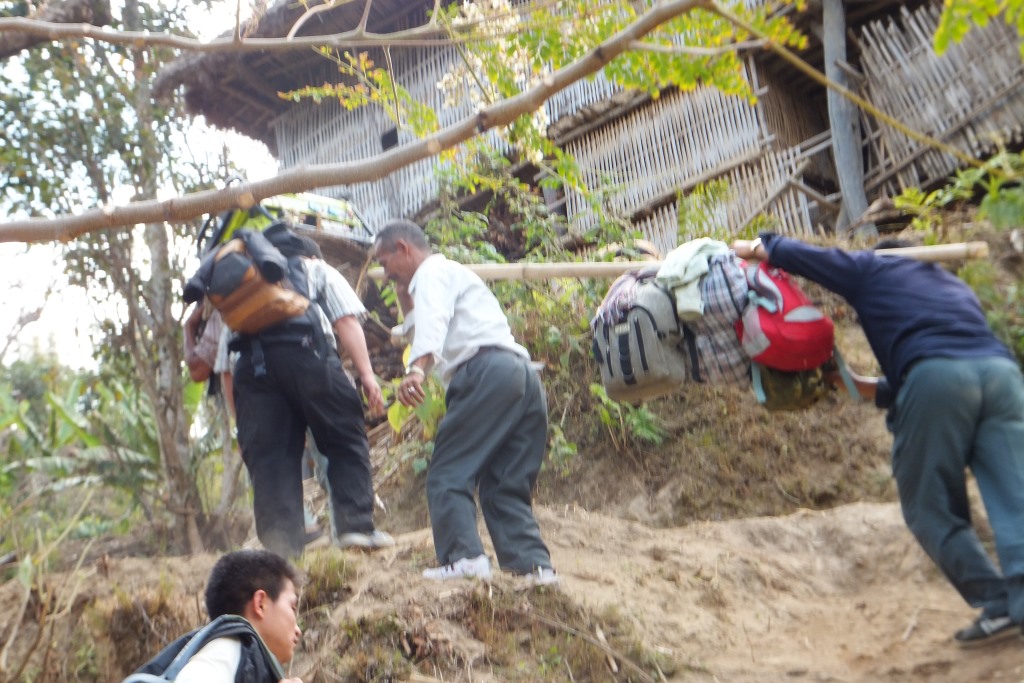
<point>779,155</point>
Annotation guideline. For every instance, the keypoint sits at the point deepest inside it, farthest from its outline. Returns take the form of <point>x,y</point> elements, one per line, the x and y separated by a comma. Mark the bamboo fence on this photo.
<point>775,154</point>
<point>646,155</point>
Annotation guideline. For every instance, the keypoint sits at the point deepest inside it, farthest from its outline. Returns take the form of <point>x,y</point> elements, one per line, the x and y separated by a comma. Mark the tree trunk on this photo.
<point>844,119</point>
<point>159,357</point>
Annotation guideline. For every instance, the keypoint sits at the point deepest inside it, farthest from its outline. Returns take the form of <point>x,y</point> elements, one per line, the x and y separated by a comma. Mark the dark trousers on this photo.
<point>953,414</point>
<point>301,386</point>
<point>492,438</point>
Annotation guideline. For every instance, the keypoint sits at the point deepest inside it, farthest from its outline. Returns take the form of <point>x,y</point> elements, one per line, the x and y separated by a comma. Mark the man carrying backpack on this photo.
<point>251,601</point>
<point>290,376</point>
<point>956,400</point>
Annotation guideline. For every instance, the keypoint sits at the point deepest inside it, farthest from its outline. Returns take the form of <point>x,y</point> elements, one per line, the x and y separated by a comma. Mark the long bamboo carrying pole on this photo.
<point>611,269</point>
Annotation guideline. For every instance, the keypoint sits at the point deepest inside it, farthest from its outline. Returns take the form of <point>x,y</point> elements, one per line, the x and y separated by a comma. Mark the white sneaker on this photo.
<point>466,568</point>
<point>542,576</point>
<point>375,540</point>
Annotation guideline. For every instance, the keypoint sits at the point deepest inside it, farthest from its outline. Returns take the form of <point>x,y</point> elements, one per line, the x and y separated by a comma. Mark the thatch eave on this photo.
<point>239,89</point>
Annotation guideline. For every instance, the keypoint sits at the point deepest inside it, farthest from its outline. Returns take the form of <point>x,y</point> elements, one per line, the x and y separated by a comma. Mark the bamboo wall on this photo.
<point>312,133</point>
<point>647,154</point>
<point>679,139</point>
<point>792,117</point>
<point>970,97</point>
<point>758,187</point>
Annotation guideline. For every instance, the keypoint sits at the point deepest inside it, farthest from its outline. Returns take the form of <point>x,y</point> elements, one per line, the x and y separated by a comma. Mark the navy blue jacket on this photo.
<point>910,310</point>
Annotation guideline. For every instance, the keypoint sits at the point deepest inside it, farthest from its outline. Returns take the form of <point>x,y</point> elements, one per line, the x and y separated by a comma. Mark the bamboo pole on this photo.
<point>942,252</point>
<point>612,269</point>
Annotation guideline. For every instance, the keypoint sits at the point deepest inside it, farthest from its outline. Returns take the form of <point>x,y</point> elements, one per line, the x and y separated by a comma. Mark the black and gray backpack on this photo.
<point>640,346</point>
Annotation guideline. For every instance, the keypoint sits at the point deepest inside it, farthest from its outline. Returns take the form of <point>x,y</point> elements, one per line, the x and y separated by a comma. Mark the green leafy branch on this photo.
<point>371,85</point>
<point>960,16</point>
<point>624,421</point>
<point>999,181</point>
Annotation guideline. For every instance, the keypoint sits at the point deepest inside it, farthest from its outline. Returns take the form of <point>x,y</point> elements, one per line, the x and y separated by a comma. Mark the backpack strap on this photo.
<point>625,361</point>
<point>690,342</point>
<point>224,626</point>
<point>215,629</point>
<point>755,377</point>
<point>844,372</point>
<point>728,285</point>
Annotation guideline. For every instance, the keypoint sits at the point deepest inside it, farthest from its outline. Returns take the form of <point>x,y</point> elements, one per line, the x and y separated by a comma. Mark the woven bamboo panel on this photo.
<point>792,118</point>
<point>641,157</point>
<point>970,97</point>
<point>750,187</point>
<point>657,148</point>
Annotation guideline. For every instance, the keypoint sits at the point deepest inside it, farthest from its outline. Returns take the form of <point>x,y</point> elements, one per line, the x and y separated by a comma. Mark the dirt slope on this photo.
<point>837,595</point>
<point>840,595</point>
<point>700,558</point>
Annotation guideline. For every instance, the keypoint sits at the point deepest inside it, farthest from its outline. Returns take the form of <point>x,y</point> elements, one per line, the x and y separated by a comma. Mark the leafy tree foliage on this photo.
<point>960,16</point>
<point>83,130</point>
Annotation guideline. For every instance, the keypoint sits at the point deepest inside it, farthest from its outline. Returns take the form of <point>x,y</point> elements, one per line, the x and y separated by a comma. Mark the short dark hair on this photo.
<point>239,574</point>
<point>401,229</point>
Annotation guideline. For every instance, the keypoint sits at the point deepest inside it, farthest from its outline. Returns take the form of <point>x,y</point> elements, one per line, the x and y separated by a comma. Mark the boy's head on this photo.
<point>260,586</point>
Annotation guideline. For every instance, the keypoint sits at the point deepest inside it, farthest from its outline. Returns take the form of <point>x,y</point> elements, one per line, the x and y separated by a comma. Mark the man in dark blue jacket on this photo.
<point>956,400</point>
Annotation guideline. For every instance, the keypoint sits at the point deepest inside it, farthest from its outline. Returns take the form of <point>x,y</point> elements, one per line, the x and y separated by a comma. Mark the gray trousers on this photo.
<point>492,439</point>
<point>953,414</point>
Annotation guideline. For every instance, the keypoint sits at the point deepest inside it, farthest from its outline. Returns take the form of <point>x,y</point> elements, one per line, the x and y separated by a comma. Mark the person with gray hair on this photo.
<point>493,437</point>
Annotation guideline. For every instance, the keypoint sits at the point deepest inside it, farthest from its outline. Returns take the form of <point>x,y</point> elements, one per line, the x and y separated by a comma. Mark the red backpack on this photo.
<point>781,328</point>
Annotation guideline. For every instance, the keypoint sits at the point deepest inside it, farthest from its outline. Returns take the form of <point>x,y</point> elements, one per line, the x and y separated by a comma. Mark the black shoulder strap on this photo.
<point>155,668</point>
<point>689,342</point>
<point>173,658</point>
<point>299,277</point>
<point>221,627</point>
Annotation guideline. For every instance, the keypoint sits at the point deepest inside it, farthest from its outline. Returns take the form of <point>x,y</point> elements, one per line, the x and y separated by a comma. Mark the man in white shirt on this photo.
<point>260,586</point>
<point>493,436</point>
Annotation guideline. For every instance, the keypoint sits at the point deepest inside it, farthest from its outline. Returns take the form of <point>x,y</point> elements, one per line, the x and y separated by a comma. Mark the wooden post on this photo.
<point>844,119</point>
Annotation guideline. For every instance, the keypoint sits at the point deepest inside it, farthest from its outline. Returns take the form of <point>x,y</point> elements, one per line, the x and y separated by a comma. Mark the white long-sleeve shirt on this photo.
<point>215,662</point>
<point>456,316</point>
